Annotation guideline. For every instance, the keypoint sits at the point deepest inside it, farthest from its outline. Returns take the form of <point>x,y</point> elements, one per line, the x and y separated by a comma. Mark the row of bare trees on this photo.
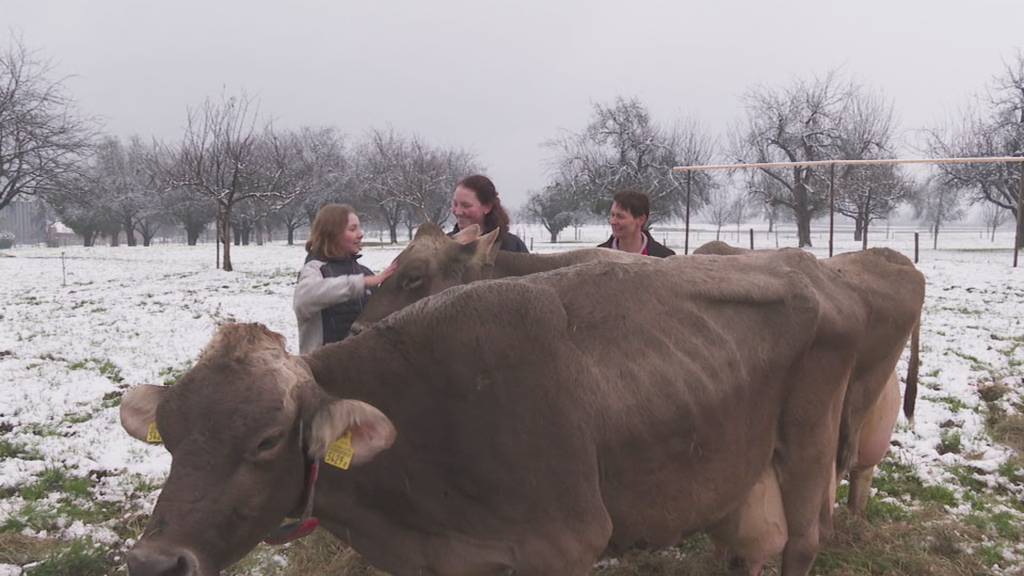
<point>232,168</point>
<point>818,119</point>
<point>247,177</point>
<point>235,170</point>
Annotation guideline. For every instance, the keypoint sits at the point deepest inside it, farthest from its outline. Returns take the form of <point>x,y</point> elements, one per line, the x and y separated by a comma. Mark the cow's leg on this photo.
<point>860,489</point>
<point>805,458</point>
<point>828,501</point>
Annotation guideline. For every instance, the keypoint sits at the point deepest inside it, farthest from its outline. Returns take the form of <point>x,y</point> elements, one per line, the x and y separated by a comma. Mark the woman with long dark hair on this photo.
<point>476,201</point>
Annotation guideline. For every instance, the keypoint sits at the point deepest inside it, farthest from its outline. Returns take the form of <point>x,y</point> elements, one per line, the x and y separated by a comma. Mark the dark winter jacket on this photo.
<point>653,248</point>
<point>508,241</point>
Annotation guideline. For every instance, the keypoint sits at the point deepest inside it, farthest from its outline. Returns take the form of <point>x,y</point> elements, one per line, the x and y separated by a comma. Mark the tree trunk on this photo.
<point>393,230</point>
<point>803,228</point>
<point>88,238</point>
<point>802,212</point>
<point>225,231</point>
<point>554,236</point>
<point>935,237</point>
<point>291,236</point>
<point>129,232</point>
<point>718,233</point>
<point>115,238</point>
<point>192,234</point>
<point>858,228</point>
<point>1020,231</point>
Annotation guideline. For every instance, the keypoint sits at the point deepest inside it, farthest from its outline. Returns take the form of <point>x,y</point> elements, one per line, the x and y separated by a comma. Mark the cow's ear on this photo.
<point>487,248</point>
<point>428,230</point>
<point>470,234</point>
<point>366,429</point>
<point>138,411</point>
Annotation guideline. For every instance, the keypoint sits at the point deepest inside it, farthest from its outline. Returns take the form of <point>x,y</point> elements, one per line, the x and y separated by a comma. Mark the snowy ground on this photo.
<point>77,330</point>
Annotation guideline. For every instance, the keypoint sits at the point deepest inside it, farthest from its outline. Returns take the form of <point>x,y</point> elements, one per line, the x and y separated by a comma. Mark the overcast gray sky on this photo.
<point>500,78</point>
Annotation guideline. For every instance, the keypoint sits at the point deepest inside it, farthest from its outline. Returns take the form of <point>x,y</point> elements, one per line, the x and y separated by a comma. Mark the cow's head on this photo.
<point>242,427</point>
<point>431,263</point>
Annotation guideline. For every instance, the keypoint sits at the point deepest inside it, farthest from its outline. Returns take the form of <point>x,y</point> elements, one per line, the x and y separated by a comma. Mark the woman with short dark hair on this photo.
<point>628,219</point>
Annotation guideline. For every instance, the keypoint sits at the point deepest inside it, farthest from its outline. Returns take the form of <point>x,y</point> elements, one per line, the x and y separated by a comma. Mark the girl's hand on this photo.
<point>378,279</point>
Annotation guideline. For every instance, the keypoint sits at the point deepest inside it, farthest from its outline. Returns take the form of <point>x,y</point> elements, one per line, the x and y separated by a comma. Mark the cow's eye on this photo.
<point>269,443</point>
<point>412,282</point>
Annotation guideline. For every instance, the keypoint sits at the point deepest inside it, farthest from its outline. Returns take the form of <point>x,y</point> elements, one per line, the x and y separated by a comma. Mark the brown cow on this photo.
<point>889,287</point>
<point>576,421</point>
<point>433,262</point>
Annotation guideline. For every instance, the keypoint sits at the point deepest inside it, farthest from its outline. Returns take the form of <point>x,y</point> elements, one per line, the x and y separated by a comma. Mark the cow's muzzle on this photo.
<point>154,560</point>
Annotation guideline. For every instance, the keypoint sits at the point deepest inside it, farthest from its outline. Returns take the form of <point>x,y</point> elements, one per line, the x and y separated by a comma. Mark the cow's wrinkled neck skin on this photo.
<point>358,367</point>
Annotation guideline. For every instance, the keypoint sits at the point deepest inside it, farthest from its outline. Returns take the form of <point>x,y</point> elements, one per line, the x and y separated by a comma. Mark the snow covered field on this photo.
<point>128,316</point>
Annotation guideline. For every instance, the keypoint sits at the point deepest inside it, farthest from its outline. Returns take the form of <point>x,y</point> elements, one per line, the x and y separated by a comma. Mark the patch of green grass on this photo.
<point>966,477</point>
<point>11,449</point>
<point>950,442</point>
<point>112,399</point>
<point>976,363</point>
<point>990,554</point>
<point>172,374</point>
<point>78,417</point>
<point>32,515</point>
<point>42,430</point>
<point>80,558</point>
<point>111,371</point>
<point>881,511</point>
<point>41,515</point>
<point>900,480</point>
<point>1013,470</point>
<point>57,480</point>
<point>954,404</point>
<point>104,367</point>
<point>1007,526</point>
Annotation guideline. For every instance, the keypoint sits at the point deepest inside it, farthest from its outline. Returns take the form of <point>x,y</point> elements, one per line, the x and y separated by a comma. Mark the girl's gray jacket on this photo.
<point>314,293</point>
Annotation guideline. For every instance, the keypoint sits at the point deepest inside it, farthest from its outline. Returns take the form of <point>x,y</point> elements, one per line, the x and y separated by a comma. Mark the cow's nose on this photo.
<point>144,560</point>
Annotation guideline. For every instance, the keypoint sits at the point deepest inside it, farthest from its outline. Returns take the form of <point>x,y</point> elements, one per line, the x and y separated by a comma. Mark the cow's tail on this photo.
<point>910,392</point>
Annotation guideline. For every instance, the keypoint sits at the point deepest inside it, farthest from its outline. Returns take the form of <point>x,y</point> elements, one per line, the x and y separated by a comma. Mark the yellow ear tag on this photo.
<point>340,452</point>
<point>153,435</point>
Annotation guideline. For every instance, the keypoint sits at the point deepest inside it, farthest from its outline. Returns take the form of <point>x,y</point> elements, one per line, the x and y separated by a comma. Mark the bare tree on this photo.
<point>993,127</point>
<point>42,137</point>
<point>994,217</point>
<point>216,158</point>
<point>428,176</point>
<point>624,148</point>
<point>556,208</point>
<point>796,124</point>
<point>378,172</point>
<point>720,208</point>
<point>938,203</point>
<point>866,130</point>
<point>84,204</point>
